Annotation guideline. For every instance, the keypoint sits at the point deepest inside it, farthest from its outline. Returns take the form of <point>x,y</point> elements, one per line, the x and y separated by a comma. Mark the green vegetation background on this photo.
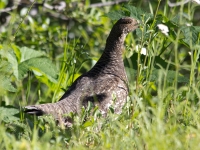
<point>42,53</point>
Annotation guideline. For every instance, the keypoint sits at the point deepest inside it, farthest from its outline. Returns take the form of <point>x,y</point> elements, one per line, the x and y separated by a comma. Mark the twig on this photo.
<point>9,9</point>
<point>178,3</point>
<point>107,3</point>
<point>23,19</point>
<point>62,6</point>
<point>58,15</point>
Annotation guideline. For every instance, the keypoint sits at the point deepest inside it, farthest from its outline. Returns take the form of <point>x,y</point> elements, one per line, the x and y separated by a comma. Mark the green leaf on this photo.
<point>191,35</point>
<point>28,53</point>
<point>138,13</point>
<point>5,84</point>
<point>197,28</point>
<point>170,76</point>
<point>5,66</point>
<point>131,11</point>
<point>116,15</point>
<point>158,61</point>
<point>179,19</point>
<point>31,59</point>
<point>10,56</point>
<point>7,114</point>
<point>131,73</point>
<point>145,34</point>
<point>42,65</point>
<point>88,123</point>
<point>17,52</point>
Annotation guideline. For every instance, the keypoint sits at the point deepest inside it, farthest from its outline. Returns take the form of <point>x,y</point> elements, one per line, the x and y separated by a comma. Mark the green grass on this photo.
<point>162,110</point>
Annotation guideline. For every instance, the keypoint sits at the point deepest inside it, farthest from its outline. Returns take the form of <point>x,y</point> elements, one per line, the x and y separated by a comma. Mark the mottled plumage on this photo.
<point>104,85</point>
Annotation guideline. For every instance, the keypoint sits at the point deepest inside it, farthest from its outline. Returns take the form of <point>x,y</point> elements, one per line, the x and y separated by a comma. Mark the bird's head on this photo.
<point>125,25</point>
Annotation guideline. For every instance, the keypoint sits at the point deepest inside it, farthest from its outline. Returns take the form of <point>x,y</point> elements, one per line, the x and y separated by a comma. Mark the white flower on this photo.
<point>62,6</point>
<point>164,29</point>
<point>196,1</point>
<point>188,24</point>
<point>143,50</point>
<point>23,11</point>
<point>33,12</point>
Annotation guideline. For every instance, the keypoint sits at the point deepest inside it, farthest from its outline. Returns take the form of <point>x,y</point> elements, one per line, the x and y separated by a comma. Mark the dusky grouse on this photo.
<point>104,85</point>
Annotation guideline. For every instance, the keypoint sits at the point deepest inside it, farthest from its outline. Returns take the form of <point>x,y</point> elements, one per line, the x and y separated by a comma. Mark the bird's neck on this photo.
<point>111,61</point>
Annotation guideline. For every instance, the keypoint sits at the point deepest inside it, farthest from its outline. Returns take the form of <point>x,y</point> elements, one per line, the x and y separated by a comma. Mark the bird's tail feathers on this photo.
<point>34,110</point>
<point>39,110</point>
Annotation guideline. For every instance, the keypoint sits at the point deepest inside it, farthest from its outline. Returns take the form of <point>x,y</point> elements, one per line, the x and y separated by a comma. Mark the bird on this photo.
<point>104,85</point>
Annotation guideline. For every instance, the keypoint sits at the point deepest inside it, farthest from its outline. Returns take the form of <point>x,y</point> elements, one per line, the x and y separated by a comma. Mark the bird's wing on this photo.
<point>69,102</point>
<point>108,91</point>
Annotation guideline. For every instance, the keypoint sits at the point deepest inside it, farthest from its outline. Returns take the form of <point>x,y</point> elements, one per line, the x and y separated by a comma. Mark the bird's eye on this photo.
<point>125,21</point>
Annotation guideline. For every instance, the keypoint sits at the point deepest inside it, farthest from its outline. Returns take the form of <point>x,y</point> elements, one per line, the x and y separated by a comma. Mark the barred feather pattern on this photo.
<point>104,85</point>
